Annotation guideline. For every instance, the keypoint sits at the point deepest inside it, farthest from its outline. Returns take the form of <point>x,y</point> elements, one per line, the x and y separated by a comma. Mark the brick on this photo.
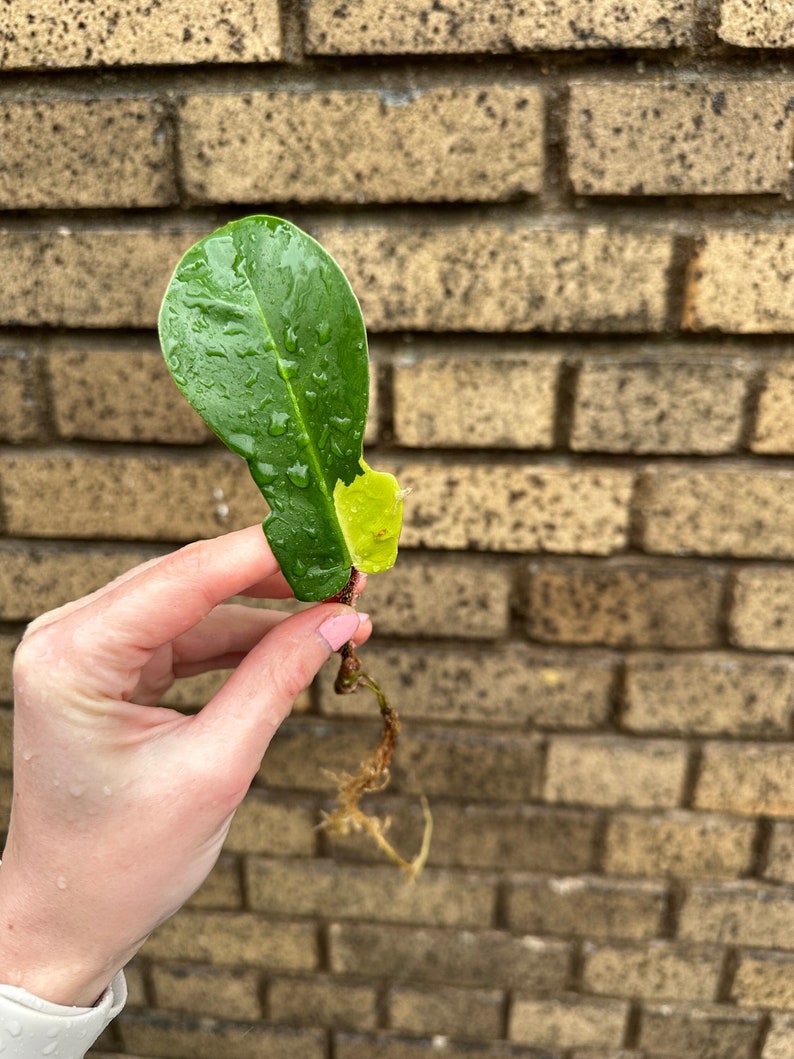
<point>709,1032</point>
<point>679,138</point>
<point>304,752</point>
<point>514,508</point>
<point>587,906</point>
<point>418,144</point>
<point>484,958</point>
<point>8,645</point>
<point>624,604</point>
<point>780,858</point>
<point>739,913</point>
<point>774,426</point>
<point>271,828</point>
<point>443,596</point>
<point>6,740</point>
<point>117,394</point>
<point>63,153</point>
<point>81,277</point>
<point>379,893</point>
<point>611,771</point>
<point>417,26</point>
<point>228,994</point>
<point>389,1046</point>
<point>232,32</point>
<point>757,25</point>
<point>681,844</point>
<point>568,1023</point>
<point>744,512</point>
<point>234,938</point>
<point>708,694</point>
<point>764,980</point>
<point>761,615</point>
<point>173,1037</point>
<point>656,970</point>
<point>553,279</point>
<point>221,889</point>
<point>136,984</point>
<point>747,778</point>
<point>780,1039</point>
<point>323,1001</point>
<point>458,1012</point>
<point>459,401</point>
<point>513,685</point>
<point>738,282</point>
<point>21,411</point>
<point>151,497</point>
<point>670,404</point>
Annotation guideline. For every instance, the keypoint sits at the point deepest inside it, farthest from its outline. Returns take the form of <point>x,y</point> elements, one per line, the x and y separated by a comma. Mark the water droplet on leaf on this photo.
<point>278,424</point>
<point>298,474</point>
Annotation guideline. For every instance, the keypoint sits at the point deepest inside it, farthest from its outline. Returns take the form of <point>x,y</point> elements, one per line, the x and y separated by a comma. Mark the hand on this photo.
<point>120,806</point>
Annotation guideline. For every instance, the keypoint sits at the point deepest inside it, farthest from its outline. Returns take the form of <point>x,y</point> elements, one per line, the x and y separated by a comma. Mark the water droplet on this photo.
<point>287,369</point>
<point>77,790</point>
<point>321,378</point>
<point>27,755</point>
<point>49,1049</point>
<point>265,472</point>
<point>324,332</point>
<point>244,444</point>
<point>290,338</point>
<point>300,567</point>
<point>250,382</point>
<point>60,882</point>
<point>322,441</point>
<point>298,474</point>
<point>217,353</point>
<point>311,398</point>
<point>243,353</point>
<point>342,423</point>
<point>107,791</point>
<point>278,424</point>
<point>14,1028</point>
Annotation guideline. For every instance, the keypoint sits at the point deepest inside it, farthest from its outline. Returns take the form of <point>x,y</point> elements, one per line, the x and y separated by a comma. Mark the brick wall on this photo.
<point>569,225</point>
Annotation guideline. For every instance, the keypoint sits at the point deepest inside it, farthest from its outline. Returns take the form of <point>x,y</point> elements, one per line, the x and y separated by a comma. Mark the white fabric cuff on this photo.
<point>30,1026</point>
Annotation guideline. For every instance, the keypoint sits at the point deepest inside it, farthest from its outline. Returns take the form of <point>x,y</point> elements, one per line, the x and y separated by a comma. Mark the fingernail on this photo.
<point>339,629</point>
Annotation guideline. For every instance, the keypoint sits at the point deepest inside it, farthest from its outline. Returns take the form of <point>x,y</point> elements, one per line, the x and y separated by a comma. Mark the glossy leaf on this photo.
<point>264,336</point>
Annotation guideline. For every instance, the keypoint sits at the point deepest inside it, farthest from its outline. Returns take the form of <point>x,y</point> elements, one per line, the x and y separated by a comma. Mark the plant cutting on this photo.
<point>264,336</point>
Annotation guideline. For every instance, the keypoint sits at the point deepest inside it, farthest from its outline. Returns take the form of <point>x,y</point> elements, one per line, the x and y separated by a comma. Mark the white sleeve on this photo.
<point>31,1027</point>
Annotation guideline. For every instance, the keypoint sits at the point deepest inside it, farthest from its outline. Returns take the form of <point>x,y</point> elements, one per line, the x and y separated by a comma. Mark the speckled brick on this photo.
<point>553,279</point>
<point>708,1032</point>
<point>391,145</point>
<point>779,1042</point>
<point>323,1001</point>
<point>415,26</point>
<point>743,511</point>
<point>655,970</point>
<point>21,402</point>
<point>445,1010</point>
<point>668,138</point>
<point>271,828</point>
<point>221,890</point>
<point>181,32</point>
<point>459,401</point>
<point>774,426</point>
<point>8,645</point>
<point>666,404</point>
<point>65,153</point>
<point>756,24</point>
<point>762,616</point>
<point>228,994</point>
<point>780,858</point>
<point>738,282</point>
<point>764,980</point>
<point>752,778</point>
<point>206,1038</point>
<point>567,1023</point>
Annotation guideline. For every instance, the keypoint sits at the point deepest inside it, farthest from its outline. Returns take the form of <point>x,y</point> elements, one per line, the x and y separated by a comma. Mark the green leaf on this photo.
<point>264,337</point>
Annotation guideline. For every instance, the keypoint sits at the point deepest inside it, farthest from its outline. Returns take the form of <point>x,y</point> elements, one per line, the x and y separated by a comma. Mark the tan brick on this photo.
<point>568,1023</point>
<point>271,828</point>
<point>670,404</point>
<point>613,771</point>
<point>388,1046</point>
<point>323,1001</point>
<point>305,751</point>
<point>738,282</point>
<point>587,906</point>
<point>780,859</point>
<point>458,1012</point>
<point>21,410</point>
<point>739,914</point>
<point>465,598</point>
<point>6,793</point>
<point>657,970</point>
<point>512,685</point>
<point>88,277</point>
<point>752,778</point>
<point>624,604</point>
<point>8,645</point>
<point>228,994</point>
<point>135,976</point>
<point>65,153</point>
<point>515,508</point>
<point>234,938</point>
<point>221,889</point>
<point>708,694</point>
<point>780,1039</point>
<point>460,401</point>
<point>324,889</point>
<point>745,512</point>
<point>761,616</point>
<point>66,494</point>
<point>774,427</point>
<point>710,1032</point>
<point>369,27</point>
<point>679,138</point>
<point>418,144</point>
<point>551,279</point>
<point>764,980</point>
<point>233,31</point>
<point>202,1038</point>
<point>6,740</point>
<point>678,843</point>
<point>764,24</point>
<point>119,394</point>
<point>484,958</point>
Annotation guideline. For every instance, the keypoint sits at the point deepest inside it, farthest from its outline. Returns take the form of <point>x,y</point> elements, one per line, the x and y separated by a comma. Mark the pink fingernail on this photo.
<point>339,629</point>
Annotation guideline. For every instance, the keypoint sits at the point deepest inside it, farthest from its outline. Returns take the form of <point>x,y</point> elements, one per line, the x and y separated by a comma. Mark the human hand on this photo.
<point>120,806</point>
